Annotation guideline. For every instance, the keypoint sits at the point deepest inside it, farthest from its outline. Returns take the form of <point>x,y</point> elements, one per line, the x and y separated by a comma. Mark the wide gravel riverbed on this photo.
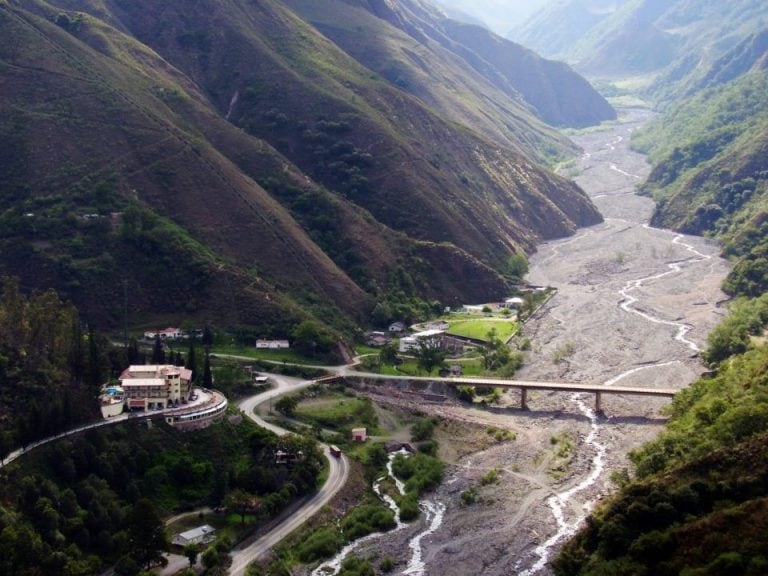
<point>634,306</point>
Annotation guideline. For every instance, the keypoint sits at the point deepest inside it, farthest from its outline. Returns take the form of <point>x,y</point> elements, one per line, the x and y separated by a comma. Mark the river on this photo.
<point>634,304</point>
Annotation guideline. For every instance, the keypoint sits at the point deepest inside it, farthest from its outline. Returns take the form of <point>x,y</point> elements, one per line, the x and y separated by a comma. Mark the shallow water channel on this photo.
<point>634,305</point>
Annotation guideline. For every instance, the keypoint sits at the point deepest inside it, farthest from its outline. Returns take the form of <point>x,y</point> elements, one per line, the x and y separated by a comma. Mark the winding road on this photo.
<point>337,477</point>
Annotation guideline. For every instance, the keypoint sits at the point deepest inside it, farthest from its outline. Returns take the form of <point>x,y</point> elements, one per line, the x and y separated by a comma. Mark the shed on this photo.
<point>359,434</point>
<point>200,535</point>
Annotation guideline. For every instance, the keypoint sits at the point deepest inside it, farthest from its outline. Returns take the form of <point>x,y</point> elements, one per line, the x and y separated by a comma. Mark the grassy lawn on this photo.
<point>336,410</point>
<point>473,367</point>
<point>478,328</point>
<point>261,354</point>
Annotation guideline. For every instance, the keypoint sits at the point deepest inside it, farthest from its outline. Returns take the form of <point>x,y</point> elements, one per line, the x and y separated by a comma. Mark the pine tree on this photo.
<point>207,376</point>
<point>146,535</point>
<point>191,362</point>
<point>158,352</point>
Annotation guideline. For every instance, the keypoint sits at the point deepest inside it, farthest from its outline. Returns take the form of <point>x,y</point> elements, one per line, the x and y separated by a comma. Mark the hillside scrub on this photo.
<point>710,176</point>
<point>698,503</point>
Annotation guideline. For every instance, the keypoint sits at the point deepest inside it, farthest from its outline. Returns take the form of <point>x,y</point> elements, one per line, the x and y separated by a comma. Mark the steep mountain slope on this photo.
<point>673,39</point>
<point>710,173</point>
<point>497,78</point>
<point>558,27</point>
<point>121,173</point>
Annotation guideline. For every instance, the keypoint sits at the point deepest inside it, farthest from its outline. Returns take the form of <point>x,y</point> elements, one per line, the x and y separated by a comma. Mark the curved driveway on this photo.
<point>337,477</point>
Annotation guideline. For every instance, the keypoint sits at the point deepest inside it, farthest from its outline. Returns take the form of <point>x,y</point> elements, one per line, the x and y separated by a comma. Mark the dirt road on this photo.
<point>633,308</point>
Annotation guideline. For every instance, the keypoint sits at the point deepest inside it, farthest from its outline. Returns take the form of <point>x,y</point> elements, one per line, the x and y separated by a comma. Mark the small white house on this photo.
<point>273,344</point>
<point>200,535</point>
<point>359,434</point>
<point>396,327</point>
<point>169,333</point>
<point>514,303</point>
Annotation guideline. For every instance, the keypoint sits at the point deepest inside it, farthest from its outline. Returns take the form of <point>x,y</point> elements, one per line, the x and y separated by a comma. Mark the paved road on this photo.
<point>337,477</point>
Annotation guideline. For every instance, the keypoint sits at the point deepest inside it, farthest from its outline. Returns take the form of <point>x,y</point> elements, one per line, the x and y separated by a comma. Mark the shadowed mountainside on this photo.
<point>223,159</point>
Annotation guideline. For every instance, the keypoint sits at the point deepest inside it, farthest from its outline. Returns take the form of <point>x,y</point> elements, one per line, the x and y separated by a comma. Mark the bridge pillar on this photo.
<point>524,398</point>
<point>598,403</point>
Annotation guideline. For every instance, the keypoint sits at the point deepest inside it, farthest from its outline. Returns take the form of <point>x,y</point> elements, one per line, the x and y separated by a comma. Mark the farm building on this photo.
<point>200,535</point>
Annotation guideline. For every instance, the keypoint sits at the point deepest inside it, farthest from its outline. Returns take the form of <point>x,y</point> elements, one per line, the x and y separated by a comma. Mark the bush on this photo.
<point>420,472</point>
<point>429,447</point>
<point>423,429</point>
<point>366,519</point>
<point>490,478</point>
<point>409,508</point>
<point>322,543</point>
<point>469,496</point>
<point>465,393</point>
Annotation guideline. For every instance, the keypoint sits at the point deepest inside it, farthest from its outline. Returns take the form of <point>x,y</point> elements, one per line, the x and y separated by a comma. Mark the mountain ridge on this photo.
<point>212,217</point>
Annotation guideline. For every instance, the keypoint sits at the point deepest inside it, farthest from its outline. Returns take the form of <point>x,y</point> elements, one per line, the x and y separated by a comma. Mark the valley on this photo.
<point>634,306</point>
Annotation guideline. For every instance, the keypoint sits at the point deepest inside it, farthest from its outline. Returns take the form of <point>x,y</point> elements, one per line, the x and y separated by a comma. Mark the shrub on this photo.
<point>469,496</point>
<point>409,508</point>
<point>423,429</point>
<point>322,543</point>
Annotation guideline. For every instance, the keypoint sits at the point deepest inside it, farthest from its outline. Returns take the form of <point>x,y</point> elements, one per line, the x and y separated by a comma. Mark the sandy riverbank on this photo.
<point>634,305</point>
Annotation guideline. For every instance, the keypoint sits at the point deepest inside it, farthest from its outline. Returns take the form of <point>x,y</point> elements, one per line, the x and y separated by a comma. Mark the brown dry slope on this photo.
<point>633,305</point>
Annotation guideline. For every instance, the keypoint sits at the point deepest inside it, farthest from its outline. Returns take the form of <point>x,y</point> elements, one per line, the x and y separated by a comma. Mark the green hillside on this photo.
<point>670,44</point>
<point>225,161</point>
<point>710,173</point>
<point>698,504</point>
<point>492,84</point>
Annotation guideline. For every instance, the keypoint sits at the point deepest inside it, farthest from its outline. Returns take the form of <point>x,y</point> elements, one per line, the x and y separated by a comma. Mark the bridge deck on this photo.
<point>562,386</point>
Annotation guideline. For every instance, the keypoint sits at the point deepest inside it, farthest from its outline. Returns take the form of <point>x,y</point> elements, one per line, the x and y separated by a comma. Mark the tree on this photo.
<point>388,354</point>
<point>429,353</point>
<point>207,337</point>
<point>310,339</point>
<point>191,551</point>
<point>207,376</point>
<point>146,535</point>
<point>191,361</point>
<point>495,351</point>
<point>287,405</point>
<point>517,266</point>
<point>158,352</point>
<point>240,502</point>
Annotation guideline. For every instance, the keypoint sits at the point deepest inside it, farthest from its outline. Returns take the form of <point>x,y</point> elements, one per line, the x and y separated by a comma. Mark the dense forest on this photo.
<point>51,366</point>
<point>86,502</point>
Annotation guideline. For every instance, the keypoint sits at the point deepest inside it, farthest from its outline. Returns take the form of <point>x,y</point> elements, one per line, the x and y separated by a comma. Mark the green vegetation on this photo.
<point>71,501</point>
<point>697,502</point>
<point>289,355</point>
<point>423,429</point>
<point>500,435</point>
<point>420,472</point>
<point>336,411</point>
<point>480,328</point>
<point>50,369</point>
<point>491,477</point>
<point>710,176</point>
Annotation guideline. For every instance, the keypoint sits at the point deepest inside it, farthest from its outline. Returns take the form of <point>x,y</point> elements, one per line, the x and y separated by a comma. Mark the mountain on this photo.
<point>501,16</point>
<point>710,172</point>
<point>618,38</point>
<point>224,160</point>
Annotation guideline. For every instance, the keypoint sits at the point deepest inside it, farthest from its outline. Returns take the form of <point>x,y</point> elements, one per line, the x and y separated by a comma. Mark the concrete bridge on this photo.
<point>525,385</point>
